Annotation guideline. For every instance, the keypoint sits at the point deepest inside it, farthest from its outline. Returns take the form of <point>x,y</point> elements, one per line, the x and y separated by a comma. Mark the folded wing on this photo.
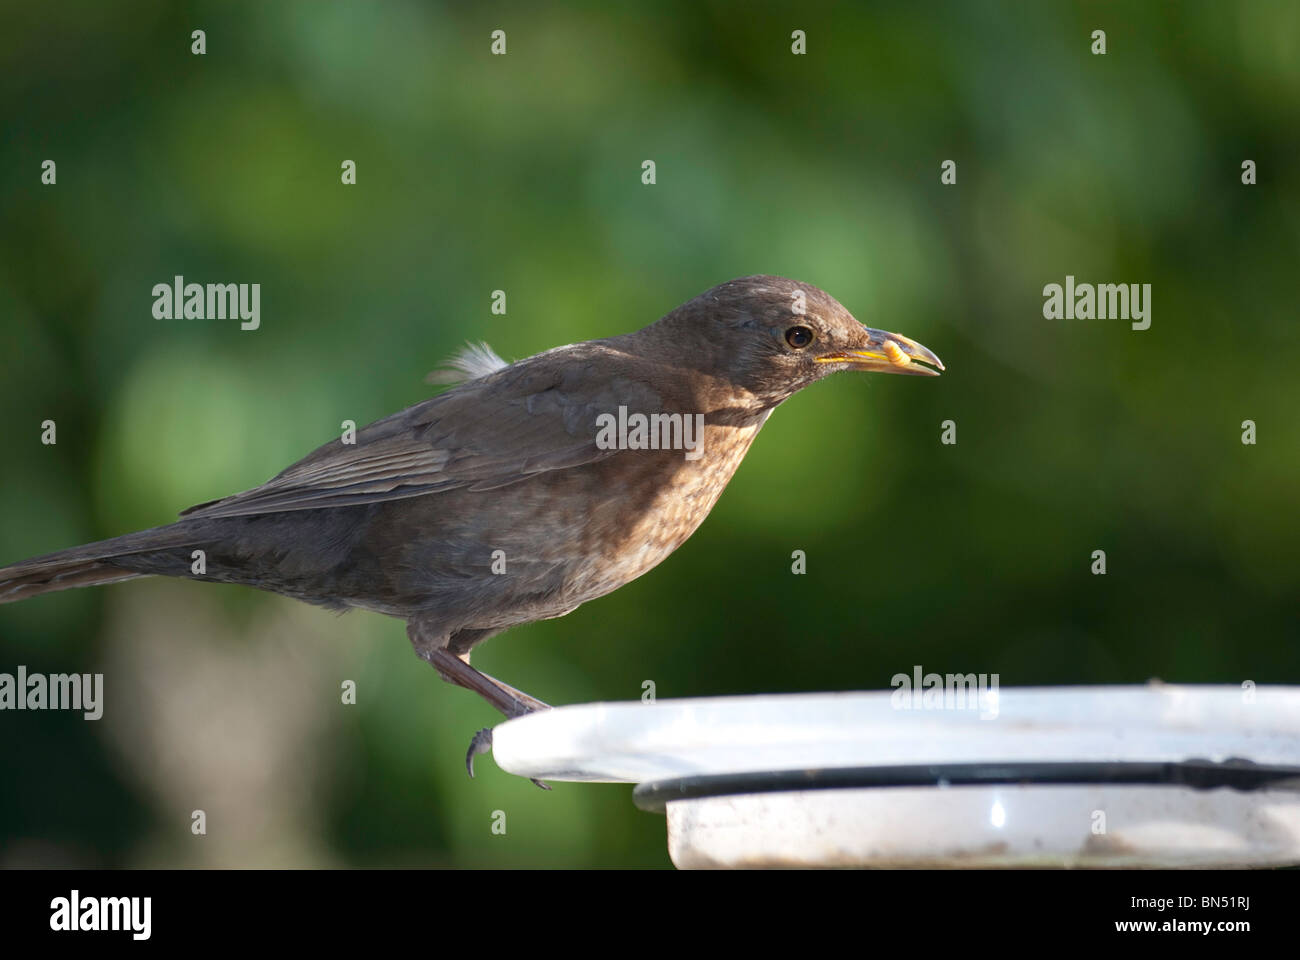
<point>536,415</point>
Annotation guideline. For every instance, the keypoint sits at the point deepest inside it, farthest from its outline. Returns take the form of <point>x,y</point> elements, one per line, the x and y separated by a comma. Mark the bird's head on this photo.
<point>772,337</point>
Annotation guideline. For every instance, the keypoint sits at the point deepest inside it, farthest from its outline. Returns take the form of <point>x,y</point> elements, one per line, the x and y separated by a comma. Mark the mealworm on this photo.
<point>896,355</point>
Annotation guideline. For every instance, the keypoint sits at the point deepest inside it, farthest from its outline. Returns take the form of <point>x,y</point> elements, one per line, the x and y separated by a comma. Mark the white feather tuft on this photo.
<point>474,361</point>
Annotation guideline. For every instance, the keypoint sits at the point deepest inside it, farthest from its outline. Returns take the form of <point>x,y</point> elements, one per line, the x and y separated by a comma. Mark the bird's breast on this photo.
<point>653,501</point>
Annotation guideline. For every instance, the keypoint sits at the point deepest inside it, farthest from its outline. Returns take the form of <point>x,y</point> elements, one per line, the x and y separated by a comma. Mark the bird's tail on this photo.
<point>87,565</point>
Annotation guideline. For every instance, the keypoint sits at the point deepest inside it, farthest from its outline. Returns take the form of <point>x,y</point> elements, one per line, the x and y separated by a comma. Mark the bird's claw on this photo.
<point>482,743</point>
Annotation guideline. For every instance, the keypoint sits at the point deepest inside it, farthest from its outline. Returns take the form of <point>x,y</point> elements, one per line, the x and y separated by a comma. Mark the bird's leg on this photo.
<point>511,702</point>
<point>456,669</point>
<point>482,741</point>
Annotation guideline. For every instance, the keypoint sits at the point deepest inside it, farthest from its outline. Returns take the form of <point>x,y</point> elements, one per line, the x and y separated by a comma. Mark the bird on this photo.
<point>521,492</point>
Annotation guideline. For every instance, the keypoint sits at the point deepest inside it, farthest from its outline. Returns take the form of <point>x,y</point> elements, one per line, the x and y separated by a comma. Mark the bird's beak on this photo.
<point>884,352</point>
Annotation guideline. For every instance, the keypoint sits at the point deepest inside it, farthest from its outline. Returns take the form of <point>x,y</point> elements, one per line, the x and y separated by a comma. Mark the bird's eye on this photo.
<point>798,337</point>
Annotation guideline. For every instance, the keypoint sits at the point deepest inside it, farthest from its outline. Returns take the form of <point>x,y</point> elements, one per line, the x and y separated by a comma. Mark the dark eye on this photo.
<point>798,337</point>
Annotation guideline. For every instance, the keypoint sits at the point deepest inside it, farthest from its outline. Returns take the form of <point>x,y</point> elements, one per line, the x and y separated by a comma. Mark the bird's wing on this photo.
<point>493,431</point>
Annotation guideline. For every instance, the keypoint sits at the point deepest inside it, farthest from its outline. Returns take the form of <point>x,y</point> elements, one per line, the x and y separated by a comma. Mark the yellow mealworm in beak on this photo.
<point>895,354</point>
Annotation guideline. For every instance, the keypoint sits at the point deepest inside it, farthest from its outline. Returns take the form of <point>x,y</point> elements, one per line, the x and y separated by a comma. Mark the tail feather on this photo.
<point>87,565</point>
<point>74,574</point>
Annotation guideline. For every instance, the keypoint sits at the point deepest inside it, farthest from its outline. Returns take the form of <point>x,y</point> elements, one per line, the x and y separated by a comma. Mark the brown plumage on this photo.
<point>408,521</point>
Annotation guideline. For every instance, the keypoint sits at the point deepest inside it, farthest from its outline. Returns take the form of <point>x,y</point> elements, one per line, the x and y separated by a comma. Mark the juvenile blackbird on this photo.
<point>522,492</point>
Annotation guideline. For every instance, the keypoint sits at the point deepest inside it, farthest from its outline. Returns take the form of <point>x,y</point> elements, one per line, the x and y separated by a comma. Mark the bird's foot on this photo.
<point>482,743</point>
<point>511,702</point>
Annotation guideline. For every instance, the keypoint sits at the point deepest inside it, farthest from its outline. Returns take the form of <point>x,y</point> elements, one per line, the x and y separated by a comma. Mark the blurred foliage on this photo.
<point>522,173</point>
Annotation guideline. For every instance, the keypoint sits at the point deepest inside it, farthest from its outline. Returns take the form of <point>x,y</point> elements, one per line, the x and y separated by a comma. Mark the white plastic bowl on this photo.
<point>942,825</point>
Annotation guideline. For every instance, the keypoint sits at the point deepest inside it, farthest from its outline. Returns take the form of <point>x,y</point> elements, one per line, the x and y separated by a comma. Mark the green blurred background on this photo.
<point>523,173</point>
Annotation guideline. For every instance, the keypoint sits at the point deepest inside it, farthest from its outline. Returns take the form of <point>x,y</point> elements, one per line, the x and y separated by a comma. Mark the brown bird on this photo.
<point>522,492</point>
